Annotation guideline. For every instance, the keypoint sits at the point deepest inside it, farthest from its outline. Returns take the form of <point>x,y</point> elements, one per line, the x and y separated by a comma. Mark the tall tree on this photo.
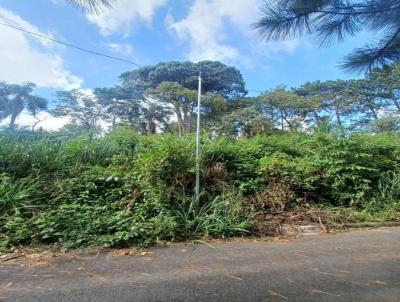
<point>81,107</point>
<point>387,80</point>
<point>154,116</point>
<point>286,108</point>
<point>338,100</point>
<point>368,99</point>
<point>329,98</point>
<point>120,105</point>
<point>331,20</point>
<point>15,98</point>
<point>315,102</point>
<point>245,122</point>
<point>217,77</point>
<point>178,100</point>
<point>213,108</point>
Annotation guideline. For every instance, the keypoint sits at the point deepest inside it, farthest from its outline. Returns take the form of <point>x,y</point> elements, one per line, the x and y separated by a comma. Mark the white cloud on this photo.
<point>122,49</point>
<point>205,28</point>
<point>44,120</point>
<point>27,59</point>
<point>204,25</point>
<point>271,49</point>
<point>123,14</point>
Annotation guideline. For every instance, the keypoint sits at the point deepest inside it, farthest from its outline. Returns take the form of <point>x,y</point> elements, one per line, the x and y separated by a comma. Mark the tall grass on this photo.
<point>15,194</point>
<point>125,189</point>
<point>224,215</point>
<point>385,204</point>
<point>389,188</point>
<point>19,203</point>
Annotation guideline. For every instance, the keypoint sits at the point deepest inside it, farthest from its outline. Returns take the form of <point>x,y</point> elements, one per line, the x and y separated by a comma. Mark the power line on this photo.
<point>68,44</point>
<point>83,49</point>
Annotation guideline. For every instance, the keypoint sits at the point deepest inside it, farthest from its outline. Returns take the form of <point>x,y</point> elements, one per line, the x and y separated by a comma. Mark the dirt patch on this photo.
<point>272,223</point>
<point>29,258</point>
<point>45,256</point>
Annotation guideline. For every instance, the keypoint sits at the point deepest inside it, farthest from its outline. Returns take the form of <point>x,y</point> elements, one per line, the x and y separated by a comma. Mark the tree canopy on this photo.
<point>81,107</point>
<point>218,78</point>
<point>147,102</point>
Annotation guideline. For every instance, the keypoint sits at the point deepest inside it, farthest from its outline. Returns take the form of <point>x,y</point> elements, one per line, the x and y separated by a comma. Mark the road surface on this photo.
<point>354,266</point>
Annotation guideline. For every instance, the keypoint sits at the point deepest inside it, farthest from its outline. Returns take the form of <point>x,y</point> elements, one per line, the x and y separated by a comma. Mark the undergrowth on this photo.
<point>129,190</point>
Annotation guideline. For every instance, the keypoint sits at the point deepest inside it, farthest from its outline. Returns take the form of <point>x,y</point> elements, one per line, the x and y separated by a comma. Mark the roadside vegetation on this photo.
<point>121,172</point>
<point>126,189</point>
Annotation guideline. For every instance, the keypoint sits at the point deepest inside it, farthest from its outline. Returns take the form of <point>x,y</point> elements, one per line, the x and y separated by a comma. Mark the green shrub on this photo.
<point>123,189</point>
<point>386,199</point>
<point>334,169</point>
<point>166,164</point>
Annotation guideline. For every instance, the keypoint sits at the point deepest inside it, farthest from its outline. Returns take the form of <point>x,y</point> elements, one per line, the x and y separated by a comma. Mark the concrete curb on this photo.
<point>371,224</point>
<point>300,230</point>
<point>311,229</point>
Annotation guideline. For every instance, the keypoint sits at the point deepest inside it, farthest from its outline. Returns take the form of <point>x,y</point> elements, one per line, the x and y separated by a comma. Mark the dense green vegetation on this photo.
<point>122,172</point>
<point>128,189</point>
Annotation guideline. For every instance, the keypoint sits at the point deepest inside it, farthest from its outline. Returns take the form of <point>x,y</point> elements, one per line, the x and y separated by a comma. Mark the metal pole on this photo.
<point>197,190</point>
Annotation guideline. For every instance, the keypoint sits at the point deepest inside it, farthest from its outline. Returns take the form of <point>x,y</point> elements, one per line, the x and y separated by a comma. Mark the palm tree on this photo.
<point>331,20</point>
<point>15,98</point>
<point>91,5</point>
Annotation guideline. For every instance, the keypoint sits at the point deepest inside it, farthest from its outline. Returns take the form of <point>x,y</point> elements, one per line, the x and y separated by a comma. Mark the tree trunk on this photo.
<point>373,111</point>
<point>180,121</point>
<point>316,118</point>
<point>396,103</point>
<point>114,121</point>
<point>152,127</point>
<point>36,123</point>
<point>16,107</point>
<point>186,123</point>
<point>339,119</point>
<point>11,125</point>
<point>289,124</point>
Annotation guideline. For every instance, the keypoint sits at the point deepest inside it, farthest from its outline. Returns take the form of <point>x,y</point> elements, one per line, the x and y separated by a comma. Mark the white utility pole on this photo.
<point>197,190</point>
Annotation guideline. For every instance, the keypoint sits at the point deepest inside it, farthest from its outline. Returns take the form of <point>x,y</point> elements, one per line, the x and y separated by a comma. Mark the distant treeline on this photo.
<point>163,97</point>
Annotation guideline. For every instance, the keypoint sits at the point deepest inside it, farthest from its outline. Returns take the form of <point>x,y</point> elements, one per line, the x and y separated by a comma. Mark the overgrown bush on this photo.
<point>222,216</point>
<point>386,200</point>
<point>123,189</point>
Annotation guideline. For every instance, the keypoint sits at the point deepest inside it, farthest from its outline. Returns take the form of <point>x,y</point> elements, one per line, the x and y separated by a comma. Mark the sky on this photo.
<point>149,32</point>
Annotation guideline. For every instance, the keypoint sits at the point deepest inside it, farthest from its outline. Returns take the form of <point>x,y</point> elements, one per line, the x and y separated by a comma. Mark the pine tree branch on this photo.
<point>374,56</point>
<point>92,6</point>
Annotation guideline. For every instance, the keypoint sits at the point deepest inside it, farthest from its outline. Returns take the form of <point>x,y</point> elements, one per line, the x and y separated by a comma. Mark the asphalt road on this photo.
<point>355,266</point>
